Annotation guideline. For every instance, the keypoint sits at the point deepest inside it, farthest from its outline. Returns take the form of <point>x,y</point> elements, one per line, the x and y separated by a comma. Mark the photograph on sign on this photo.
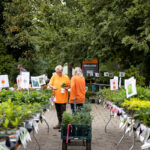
<point>96,74</point>
<point>90,73</point>
<point>35,82</point>
<point>4,82</point>
<point>23,81</point>
<point>121,74</point>
<point>19,80</point>
<point>106,74</point>
<point>111,74</point>
<point>42,80</point>
<point>131,87</point>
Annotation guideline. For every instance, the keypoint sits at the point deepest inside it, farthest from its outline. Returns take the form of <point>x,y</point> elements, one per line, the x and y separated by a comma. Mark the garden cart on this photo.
<point>72,132</point>
<point>76,132</point>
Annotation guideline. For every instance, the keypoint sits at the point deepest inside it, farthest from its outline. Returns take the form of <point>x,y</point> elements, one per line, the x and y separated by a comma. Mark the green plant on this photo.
<point>63,85</point>
<point>82,116</point>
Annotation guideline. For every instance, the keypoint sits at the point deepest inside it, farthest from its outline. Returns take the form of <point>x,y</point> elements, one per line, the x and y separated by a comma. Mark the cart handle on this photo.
<point>69,125</point>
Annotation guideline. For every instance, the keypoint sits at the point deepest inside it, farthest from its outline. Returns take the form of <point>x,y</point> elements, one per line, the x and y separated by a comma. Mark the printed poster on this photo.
<point>4,82</point>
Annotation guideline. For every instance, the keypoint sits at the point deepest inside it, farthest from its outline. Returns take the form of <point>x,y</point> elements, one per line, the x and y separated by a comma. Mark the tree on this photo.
<point>62,32</point>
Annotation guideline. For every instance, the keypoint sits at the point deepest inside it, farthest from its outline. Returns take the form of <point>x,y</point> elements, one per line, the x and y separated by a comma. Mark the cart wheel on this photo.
<point>64,145</point>
<point>88,144</point>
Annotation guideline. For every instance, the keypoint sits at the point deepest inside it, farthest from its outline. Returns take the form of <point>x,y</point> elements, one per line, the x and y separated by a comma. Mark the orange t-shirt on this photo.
<point>77,89</point>
<point>57,81</point>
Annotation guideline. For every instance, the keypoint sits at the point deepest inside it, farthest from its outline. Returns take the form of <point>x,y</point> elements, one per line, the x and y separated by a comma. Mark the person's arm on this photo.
<point>51,83</point>
<point>73,88</point>
<point>67,83</point>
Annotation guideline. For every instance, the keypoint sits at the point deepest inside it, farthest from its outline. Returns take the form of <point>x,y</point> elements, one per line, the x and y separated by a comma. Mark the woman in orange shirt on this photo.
<point>77,92</point>
<point>60,94</point>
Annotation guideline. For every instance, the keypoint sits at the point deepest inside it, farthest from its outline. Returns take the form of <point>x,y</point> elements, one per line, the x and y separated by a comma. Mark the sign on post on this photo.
<point>4,82</point>
<point>114,83</point>
<point>130,86</point>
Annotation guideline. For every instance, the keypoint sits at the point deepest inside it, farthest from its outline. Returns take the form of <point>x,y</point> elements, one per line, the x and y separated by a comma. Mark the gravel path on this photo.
<point>100,139</point>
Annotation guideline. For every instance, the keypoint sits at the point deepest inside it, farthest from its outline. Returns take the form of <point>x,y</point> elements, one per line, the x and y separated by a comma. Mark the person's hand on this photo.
<point>54,88</point>
<point>67,87</point>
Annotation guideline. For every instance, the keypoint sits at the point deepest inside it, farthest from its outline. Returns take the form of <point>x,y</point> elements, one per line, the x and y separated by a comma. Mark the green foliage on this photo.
<point>132,71</point>
<point>119,96</point>
<point>12,115</point>
<point>41,97</point>
<point>89,94</point>
<point>141,109</point>
<point>82,116</point>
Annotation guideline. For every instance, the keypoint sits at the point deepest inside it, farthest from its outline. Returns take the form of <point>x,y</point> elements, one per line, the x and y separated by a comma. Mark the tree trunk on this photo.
<point>70,65</point>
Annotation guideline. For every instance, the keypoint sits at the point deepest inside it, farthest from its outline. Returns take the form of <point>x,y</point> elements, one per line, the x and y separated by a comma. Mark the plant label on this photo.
<point>35,126</point>
<point>4,82</point>
<point>62,90</point>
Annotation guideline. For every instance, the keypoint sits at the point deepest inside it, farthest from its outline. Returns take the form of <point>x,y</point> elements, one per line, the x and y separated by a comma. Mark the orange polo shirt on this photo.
<point>57,81</point>
<point>77,89</point>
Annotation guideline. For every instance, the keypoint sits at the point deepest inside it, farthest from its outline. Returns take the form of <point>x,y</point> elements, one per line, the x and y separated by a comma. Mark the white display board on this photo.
<point>4,82</point>
<point>130,86</point>
<point>121,74</point>
<point>35,82</point>
<point>114,83</point>
<point>42,79</point>
<point>23,80</point>
<point>106,74</point>
<point>96,74</point>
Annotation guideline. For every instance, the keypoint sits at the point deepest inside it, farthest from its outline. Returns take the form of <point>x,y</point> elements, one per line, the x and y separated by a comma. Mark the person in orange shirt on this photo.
<point>61,94</point>
<point>77,91</point>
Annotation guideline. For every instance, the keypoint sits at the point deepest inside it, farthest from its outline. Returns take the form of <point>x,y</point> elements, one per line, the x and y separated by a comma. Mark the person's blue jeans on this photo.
<point>78,106</point>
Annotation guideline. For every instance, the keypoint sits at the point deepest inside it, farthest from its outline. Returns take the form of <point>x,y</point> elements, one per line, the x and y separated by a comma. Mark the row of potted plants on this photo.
<point>138,105</point>
<point>18,106</point>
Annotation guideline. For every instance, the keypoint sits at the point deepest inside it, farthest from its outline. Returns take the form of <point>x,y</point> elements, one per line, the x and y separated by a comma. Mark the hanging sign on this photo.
<point>4,82</point>
<point>23,80</point>
<point>35,82</point>
<point>114,83</point>
<point>121,74</point>
<point>42,80</point>
<point>106,74</point>
<point>130,86</point>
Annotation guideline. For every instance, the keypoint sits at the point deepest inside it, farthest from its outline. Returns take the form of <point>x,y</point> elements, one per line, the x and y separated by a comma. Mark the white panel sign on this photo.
<point>113,84</point>
<point>4,82</point>
<point>23,80</point>
<point>130,86</point>
<point>121,74</point>
<point>35,82</point>
<point>106,74</point>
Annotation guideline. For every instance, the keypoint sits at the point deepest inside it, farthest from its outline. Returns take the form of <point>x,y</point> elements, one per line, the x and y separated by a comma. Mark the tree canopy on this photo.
<point>41,34</point>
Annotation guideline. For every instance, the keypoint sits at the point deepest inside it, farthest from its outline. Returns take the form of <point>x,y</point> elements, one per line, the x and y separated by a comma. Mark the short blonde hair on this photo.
<point>59,67</point>
<point>78,71</point>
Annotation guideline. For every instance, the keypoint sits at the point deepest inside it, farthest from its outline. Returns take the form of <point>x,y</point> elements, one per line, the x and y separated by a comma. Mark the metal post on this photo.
<point>36,140</point>
<point>108,121</point>
<point>121,138</point>
<point>134,141</point>
<point>46,124</point>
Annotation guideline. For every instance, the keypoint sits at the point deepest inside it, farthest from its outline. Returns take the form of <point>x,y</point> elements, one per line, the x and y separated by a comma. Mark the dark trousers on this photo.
<point>78,106</point>
<point>60,108</point>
